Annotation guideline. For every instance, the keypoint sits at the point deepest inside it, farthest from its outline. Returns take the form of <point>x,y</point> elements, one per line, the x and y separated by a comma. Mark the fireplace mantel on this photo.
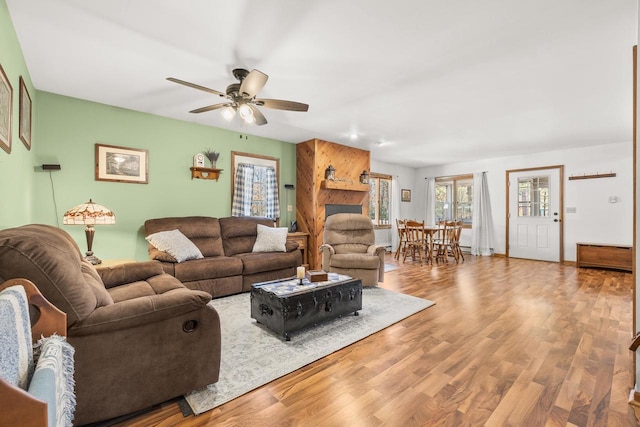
<point>344,185</point>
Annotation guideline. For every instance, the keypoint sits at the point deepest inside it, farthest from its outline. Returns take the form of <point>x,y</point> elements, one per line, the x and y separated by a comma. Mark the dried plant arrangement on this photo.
<point>212,156</point>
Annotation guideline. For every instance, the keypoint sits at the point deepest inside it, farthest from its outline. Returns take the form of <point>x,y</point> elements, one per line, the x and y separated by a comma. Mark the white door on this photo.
<point>535,214</point>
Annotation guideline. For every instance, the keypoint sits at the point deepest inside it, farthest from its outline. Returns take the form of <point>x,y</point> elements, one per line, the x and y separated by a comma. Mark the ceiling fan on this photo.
<point>241,97</point>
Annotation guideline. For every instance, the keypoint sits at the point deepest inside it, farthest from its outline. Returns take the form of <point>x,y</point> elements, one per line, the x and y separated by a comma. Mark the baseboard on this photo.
<point>569,263</point>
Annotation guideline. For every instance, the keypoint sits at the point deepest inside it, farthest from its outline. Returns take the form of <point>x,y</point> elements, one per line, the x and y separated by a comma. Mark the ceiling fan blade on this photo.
<point>253,83</point>
<point>195,86</point>
<point>279,104</point>
<point>209,108</point>
<point>259,117</point>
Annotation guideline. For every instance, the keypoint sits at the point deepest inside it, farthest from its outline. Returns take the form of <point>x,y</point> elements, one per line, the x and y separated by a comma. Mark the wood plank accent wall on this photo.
<point>312,158</point>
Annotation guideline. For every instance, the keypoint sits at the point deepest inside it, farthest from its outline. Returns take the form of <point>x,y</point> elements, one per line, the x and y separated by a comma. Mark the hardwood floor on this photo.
<point>509,342</point>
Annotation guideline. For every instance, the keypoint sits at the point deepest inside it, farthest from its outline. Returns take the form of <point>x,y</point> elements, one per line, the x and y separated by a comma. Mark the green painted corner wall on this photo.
<point>68,130</point>
<point>16,177</point>
<point>65,131</point>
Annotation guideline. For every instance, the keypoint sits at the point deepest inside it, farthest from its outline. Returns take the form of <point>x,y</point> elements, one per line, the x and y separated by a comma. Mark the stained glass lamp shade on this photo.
<point>89,214</point>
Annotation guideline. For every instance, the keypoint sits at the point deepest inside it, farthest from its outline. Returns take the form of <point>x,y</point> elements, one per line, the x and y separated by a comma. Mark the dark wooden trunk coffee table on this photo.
<point>285,306</point>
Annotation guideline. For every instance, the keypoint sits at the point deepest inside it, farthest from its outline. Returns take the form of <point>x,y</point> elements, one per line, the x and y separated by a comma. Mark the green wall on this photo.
<point>65,131</point>
<point>16,170</point>
<point>68,130</point>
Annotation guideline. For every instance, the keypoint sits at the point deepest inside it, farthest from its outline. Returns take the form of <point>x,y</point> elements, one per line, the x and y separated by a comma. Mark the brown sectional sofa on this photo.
<point>140,336</point>
<point>229,266</point>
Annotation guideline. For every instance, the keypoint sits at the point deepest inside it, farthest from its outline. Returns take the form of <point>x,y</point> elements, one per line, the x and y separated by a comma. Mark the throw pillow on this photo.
<point>175,244</point>
<point>271,239</point>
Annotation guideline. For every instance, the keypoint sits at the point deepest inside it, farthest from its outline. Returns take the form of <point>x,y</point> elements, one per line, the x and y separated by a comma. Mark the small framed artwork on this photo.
<point>6,108</point>
<point>122,164</point>
<point>25,115</point>
<point>405,195</point>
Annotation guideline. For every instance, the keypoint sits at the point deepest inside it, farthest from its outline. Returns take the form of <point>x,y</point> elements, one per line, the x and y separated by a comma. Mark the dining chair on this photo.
<point>456,244</point>
<point>416,243</point>
<point>400,225</point>
<point>448,242</point>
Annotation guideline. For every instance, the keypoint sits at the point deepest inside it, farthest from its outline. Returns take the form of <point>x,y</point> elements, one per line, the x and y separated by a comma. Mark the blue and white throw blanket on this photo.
<point>16,353</point>
<point>52,380</point>
<point>45,370</point>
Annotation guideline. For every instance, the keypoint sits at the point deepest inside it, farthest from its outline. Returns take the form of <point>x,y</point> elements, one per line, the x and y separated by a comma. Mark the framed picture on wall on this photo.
<point>25,115</point>
<point>122,164</point>
<point>405,195</point>
<point>6,103</point>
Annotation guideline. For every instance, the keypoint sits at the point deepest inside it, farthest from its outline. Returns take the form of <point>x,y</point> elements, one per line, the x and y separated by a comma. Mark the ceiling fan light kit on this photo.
<point>246,114</point>
<point>229,113</point>
<point>241,98</point>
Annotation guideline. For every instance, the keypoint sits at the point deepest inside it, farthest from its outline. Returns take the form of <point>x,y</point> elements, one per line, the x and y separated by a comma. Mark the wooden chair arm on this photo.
<point>21,408</point>
<point>50,319</point>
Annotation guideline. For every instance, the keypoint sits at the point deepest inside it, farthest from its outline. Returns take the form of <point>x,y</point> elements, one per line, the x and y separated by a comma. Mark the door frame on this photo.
<point>561,208</point>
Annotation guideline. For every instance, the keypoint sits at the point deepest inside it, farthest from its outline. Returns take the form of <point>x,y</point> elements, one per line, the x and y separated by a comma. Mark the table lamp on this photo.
<point>89,214</point>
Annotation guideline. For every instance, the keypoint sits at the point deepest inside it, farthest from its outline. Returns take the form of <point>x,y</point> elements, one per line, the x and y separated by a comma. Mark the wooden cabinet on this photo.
<point>303,244</point>
<point>619,257</point>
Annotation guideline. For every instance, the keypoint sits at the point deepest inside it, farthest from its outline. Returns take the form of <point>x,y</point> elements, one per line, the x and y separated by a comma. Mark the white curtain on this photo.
<point>395,212</point>
<point>430,197</point>
<point>482,227</point>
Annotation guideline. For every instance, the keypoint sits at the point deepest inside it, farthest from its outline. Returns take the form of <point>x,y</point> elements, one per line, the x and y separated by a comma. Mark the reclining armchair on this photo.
<point>140,336</point>
<point>349,248</point>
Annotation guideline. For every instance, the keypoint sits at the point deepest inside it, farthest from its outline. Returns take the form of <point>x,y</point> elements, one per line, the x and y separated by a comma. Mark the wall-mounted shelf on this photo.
<point>598,175</point>
<point>205,173</point>
<point>344,185</point>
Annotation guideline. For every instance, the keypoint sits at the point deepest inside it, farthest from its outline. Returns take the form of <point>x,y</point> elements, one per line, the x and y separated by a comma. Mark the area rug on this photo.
<point>253,356</point>
<point>390,267</point>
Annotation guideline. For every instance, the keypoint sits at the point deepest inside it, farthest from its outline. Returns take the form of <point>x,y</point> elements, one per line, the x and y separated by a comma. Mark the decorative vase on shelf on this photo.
<point>213,164</point>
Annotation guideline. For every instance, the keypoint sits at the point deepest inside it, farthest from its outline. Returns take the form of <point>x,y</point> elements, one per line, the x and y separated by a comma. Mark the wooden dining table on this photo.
<point>429,232</point>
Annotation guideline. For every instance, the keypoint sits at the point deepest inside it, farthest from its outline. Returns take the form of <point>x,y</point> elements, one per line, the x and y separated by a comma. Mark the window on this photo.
<point>255,186</point>
<point>454,199</point>
<point>380,200</point>
<point>533,196</point>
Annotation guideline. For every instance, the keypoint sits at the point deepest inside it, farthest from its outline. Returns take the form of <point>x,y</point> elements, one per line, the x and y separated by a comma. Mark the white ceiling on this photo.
<point>434,81</point>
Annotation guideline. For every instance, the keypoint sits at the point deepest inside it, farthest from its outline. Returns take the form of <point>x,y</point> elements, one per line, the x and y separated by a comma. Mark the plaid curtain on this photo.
<point>243,190</point>
<point>271,190</point>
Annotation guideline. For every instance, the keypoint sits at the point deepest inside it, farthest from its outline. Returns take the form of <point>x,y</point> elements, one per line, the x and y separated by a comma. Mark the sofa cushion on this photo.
<point>239,233</point>
<point>154,285</point>
<point>270,239</point>
<point>94,280</point>
<point>203,231</point>
<point>207,268</point>
<point>49,257</point>
<point>258,262</point>
<point>361,261</point>
<point>175,244</point>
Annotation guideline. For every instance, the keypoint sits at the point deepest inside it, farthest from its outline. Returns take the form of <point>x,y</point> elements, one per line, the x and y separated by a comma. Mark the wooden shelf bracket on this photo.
<point>205,173</point>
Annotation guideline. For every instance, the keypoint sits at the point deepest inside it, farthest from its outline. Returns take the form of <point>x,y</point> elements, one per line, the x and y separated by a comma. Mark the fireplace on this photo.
<point>334,209</point>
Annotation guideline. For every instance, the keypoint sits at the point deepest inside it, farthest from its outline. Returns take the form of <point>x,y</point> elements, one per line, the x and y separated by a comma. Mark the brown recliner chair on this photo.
<point>349,248</point>
<point>140,336</point>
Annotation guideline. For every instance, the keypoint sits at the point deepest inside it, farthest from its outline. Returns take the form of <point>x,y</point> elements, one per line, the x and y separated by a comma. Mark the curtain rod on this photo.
<point>451,176</point>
